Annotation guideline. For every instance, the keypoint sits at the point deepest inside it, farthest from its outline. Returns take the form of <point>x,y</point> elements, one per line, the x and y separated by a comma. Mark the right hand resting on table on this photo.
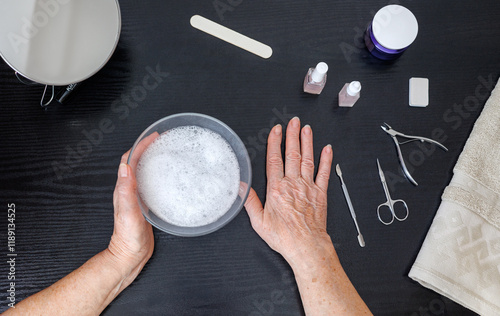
<point>293,222</point>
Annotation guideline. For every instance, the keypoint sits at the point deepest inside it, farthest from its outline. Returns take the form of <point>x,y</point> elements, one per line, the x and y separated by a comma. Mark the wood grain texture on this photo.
<point>63,220</point>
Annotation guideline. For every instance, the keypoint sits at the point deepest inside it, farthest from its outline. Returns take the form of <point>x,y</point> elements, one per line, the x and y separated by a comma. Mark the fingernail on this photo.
<point>277,129</point>
<point>328,149</point>
<point>296,122</point>
<point>123,170</point>
<point>307,130</point>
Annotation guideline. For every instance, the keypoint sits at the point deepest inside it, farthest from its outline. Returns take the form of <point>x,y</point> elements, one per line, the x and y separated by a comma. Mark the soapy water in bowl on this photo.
<point>189,176</point>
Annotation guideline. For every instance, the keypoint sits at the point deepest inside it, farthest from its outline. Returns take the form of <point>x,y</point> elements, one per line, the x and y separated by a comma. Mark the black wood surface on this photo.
<point>64,200</point>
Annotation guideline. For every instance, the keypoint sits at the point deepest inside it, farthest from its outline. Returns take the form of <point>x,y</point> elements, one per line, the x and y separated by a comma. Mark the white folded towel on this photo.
<point>460,257</point>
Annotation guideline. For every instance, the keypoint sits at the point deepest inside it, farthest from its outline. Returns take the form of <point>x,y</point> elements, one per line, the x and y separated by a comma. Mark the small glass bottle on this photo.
<point>349,94</point>
<point>315,80</point>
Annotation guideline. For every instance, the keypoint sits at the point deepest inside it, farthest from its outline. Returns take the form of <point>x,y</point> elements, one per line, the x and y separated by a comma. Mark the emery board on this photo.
<point>230,36</point>
<point>419,92</point>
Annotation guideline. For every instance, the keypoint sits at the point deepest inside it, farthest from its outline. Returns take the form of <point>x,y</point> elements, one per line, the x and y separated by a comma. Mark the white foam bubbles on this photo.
<point>189,176</point>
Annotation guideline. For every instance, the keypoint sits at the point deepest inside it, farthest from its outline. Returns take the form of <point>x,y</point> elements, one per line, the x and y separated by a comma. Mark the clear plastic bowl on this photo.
<point>204,121</point>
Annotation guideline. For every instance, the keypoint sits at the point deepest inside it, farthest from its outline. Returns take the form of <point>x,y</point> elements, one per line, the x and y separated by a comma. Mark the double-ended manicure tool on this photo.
<point>348,199</point>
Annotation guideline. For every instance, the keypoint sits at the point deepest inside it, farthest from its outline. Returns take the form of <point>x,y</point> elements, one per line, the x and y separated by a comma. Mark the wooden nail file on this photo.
<point>230,36</point>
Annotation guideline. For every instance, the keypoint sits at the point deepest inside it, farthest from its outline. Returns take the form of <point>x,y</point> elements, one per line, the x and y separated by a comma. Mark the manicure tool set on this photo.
<point>391,209</point>
<point>315,80</point>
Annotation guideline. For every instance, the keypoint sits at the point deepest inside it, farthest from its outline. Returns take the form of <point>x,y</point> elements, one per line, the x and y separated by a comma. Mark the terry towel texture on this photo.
<point>460,257</point>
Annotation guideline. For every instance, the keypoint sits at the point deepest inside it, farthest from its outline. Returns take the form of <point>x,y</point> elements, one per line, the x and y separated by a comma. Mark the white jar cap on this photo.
<point>319,72</point>
<point>395,27</point>
<point>354,88</point>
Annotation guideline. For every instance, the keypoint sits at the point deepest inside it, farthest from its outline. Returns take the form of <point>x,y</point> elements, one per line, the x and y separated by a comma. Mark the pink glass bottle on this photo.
<point>349,94</point>
<point>315,80</point>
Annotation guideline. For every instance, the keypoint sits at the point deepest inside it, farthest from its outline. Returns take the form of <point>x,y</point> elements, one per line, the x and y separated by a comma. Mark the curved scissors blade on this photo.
<point>384,183</point>
<point>380,172</point>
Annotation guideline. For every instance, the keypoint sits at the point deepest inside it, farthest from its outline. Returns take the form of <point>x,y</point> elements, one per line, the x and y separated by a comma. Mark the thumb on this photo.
<point>125,197</point>
<point>254,208</point>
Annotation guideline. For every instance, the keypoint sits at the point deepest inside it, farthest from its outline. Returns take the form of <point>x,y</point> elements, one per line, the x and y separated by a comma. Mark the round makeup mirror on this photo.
<point>58,42</point>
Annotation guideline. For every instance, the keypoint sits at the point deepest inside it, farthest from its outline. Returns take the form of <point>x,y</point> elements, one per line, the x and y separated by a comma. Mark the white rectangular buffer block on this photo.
<point>419,92</point>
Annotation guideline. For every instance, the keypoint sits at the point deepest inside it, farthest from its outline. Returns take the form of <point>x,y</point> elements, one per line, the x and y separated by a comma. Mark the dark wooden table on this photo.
<point>62,184</point>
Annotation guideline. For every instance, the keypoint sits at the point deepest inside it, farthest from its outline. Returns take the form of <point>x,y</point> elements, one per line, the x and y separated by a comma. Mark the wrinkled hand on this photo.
<point>132,242</point>
<point>293,220</point>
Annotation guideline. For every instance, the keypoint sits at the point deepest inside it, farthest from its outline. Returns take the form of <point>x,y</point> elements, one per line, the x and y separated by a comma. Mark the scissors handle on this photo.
<point>388,206</point>
<point>393,210</point>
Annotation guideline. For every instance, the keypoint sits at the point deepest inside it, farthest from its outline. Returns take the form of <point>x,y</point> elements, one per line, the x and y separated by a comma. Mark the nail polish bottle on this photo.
<point>349,94</point>
<point>315,80</point>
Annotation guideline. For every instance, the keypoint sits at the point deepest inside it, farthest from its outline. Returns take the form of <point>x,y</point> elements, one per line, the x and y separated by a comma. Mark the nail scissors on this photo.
<point>390,202</point>
<point>394,135</point>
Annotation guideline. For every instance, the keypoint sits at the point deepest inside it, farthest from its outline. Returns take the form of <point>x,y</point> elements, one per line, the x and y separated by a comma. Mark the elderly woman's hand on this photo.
<point>91,287</point>
<point>293,220</point>
<point>132,242</point>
